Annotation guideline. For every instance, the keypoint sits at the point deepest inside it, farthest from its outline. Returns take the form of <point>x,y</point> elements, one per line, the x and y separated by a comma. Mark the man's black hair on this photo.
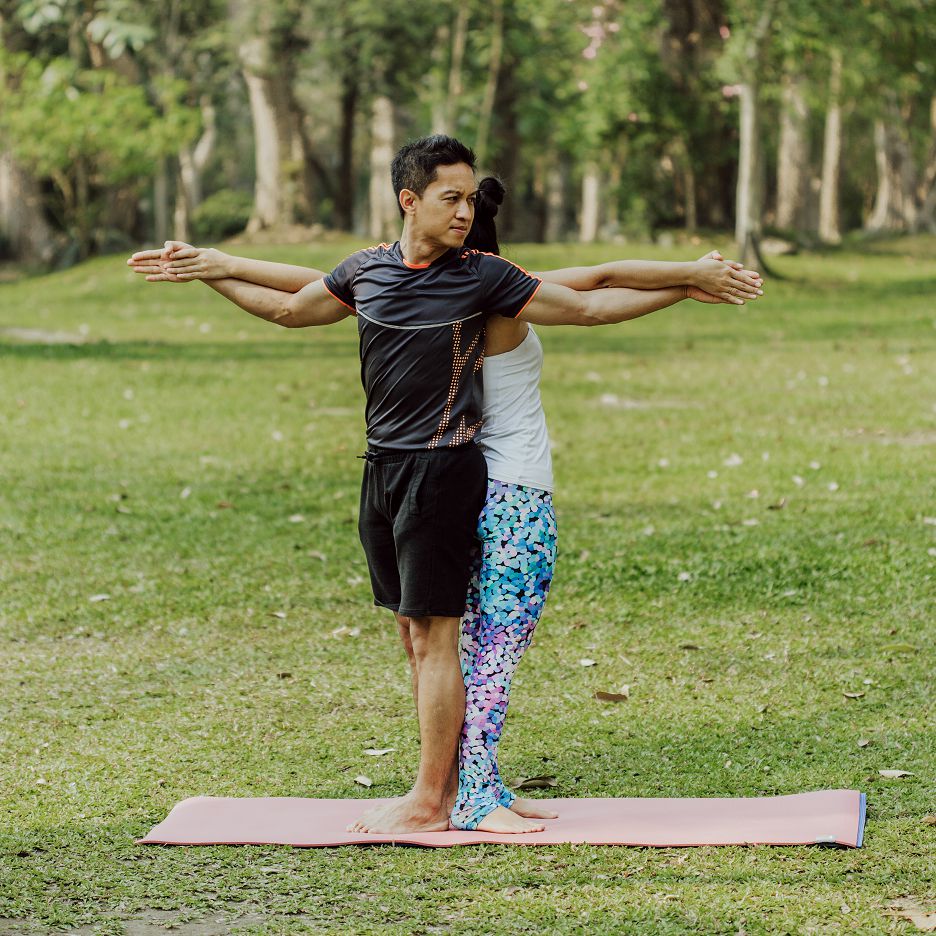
<point>414,166</point>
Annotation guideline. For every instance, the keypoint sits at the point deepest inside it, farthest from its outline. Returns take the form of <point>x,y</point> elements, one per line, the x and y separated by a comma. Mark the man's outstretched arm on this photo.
<point>179,262</point>
<point>311,305</point>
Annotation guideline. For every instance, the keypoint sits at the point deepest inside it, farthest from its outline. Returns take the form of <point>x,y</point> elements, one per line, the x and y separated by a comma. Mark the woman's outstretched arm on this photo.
<point>727,280</point>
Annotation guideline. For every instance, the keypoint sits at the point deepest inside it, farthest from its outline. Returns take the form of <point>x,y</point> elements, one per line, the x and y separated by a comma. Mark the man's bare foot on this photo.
<point>505,821</point>
<point>404,814</point>
<point>372,815</point>
<point>532,809</point>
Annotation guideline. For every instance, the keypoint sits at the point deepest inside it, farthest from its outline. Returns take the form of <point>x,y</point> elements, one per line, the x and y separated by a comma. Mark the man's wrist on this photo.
<point>693,273</point>
<point>232,266</point>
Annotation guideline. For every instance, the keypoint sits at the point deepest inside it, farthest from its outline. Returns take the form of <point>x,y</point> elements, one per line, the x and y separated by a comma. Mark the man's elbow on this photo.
<point>286,314</point>
<point>588,314</point>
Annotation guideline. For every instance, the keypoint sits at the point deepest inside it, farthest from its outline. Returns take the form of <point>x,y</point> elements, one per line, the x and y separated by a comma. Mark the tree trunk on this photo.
<point>926,195</point>
<point>24,231</point>
<point>793,154</point>
<point>459,38</point>
<point>591,195</point>
<point>750,170</point>
<point>750,194</point>
<point>829,231</point>
<point>555,203</point>
<point>344,193</point>
<point>895,204</point>
<point>490,88</point>
<point>161,202</point>
<point>192,163</point>
<point>267,189</point>
<point>384,215</point>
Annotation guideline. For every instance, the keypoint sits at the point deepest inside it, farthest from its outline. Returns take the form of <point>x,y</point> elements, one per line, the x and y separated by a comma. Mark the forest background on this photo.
<point>124,122</point>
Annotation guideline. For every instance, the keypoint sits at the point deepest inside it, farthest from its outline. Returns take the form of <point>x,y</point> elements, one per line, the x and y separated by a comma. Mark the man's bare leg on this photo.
<point>439,690</point>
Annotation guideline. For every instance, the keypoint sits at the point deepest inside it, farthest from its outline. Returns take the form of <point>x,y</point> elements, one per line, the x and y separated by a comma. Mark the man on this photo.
<point>421,305</point>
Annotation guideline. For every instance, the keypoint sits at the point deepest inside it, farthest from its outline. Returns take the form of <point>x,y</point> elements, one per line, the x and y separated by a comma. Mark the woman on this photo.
<point>513,567</point>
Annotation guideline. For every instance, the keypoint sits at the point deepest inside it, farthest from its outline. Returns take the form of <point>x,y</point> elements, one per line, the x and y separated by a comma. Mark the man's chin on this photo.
<point>455,238</point>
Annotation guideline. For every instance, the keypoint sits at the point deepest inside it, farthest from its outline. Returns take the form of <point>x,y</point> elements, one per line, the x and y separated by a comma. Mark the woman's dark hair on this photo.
<point>483,233</point>
<point>415,164</point>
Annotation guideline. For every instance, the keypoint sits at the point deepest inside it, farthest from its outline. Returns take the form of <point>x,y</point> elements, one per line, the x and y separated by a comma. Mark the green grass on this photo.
<point>114,710</point>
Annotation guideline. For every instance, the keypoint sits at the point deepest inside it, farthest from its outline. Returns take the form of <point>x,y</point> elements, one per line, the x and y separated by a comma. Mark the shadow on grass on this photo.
<point>175,352</point>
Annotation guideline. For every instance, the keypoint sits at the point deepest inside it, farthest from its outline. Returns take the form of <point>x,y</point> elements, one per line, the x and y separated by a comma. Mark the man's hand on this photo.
<point>700,295</point>
<point>727,280</point>
<point>179,262</point>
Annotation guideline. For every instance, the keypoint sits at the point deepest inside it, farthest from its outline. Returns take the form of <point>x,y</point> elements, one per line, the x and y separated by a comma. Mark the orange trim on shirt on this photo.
<point>532,294</point>
<point>487,253</point>
<point>414,266</point>
<point>345,304</point>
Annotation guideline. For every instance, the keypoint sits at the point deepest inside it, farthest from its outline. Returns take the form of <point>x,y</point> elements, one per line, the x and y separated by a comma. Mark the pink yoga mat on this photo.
<point>828,817</point>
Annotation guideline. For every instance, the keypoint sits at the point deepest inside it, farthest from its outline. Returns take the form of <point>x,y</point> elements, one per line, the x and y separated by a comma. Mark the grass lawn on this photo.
<point>746,508</point>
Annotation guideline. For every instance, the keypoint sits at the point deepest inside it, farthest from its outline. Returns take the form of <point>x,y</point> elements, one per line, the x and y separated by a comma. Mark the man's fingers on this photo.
<point>147,268</point>
<point>176,264</point>
<point>183,252</point>
<point>740,278</point>
<point>145,255</point>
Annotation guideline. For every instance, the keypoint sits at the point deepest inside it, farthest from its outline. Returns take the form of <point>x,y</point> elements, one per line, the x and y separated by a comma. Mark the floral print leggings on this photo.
<point>511,573</point>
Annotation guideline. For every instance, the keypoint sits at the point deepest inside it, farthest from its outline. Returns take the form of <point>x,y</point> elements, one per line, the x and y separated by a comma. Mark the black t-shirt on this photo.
<point>422,338</point>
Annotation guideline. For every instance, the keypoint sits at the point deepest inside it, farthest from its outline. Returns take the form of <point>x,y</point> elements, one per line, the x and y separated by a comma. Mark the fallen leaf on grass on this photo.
<point>536,783</point>
<point>586,662</point>
<point>689,646</point>
<point>853,695</point>
<point>346,631</point>
<point>909,909</point>
<point>297,518</point>
<point>779,505</point>
<point>929,820</point>
<point>102,597</point>
<point>224,505</point>
<point>364,781</point>
<point>895,774</point>
<point>864,742</point>
<point>621,696</point>
<point>315,554</point>
<point>378,752</point>
<point>284,676</point>
<point>278,614</point>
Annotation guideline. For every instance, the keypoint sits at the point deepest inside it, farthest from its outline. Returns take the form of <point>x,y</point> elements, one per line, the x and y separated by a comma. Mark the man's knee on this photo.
<point>433,636</point>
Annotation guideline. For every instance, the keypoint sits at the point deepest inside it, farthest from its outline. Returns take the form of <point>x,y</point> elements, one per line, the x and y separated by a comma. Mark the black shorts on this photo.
<point>418,524</point>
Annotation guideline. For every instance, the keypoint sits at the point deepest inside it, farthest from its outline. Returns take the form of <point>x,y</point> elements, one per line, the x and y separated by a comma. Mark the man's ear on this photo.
<point>408,201</point>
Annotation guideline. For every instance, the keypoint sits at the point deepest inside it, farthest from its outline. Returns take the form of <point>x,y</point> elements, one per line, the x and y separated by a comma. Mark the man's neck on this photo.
<point>419,251</point>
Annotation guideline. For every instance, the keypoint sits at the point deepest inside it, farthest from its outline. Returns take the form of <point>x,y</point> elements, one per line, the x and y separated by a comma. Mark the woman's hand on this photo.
<point>178,262</point>
<point>727,280</point>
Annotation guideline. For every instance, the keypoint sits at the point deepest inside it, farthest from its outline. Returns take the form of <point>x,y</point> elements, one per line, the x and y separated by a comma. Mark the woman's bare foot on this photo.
<point>402,815</point>
<point>504,821</point>
<point>532,809</point>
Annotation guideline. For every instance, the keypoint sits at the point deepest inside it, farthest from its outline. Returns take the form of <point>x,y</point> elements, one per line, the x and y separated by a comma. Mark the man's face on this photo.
<point>445,211</point>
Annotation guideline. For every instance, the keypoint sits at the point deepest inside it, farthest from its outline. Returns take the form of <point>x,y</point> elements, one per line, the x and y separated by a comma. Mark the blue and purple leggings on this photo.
<point>511,573</point>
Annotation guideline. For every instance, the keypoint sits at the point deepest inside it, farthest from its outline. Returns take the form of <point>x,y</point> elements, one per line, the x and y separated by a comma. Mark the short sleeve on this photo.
<point>340,282</point>
<point>507,289</point>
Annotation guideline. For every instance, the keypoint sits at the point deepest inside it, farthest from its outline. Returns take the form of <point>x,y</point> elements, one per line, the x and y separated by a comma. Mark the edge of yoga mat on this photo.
<point>842,804</point>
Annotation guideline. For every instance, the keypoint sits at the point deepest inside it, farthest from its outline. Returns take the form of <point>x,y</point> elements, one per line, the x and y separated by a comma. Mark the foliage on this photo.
<point>222,214</point>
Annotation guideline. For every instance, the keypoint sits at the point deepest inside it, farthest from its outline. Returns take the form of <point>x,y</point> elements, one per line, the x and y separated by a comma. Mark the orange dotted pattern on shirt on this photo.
<point>463,432</point>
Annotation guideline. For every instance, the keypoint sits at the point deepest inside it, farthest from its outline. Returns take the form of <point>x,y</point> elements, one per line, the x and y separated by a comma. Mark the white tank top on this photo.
<point>513,437</point>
